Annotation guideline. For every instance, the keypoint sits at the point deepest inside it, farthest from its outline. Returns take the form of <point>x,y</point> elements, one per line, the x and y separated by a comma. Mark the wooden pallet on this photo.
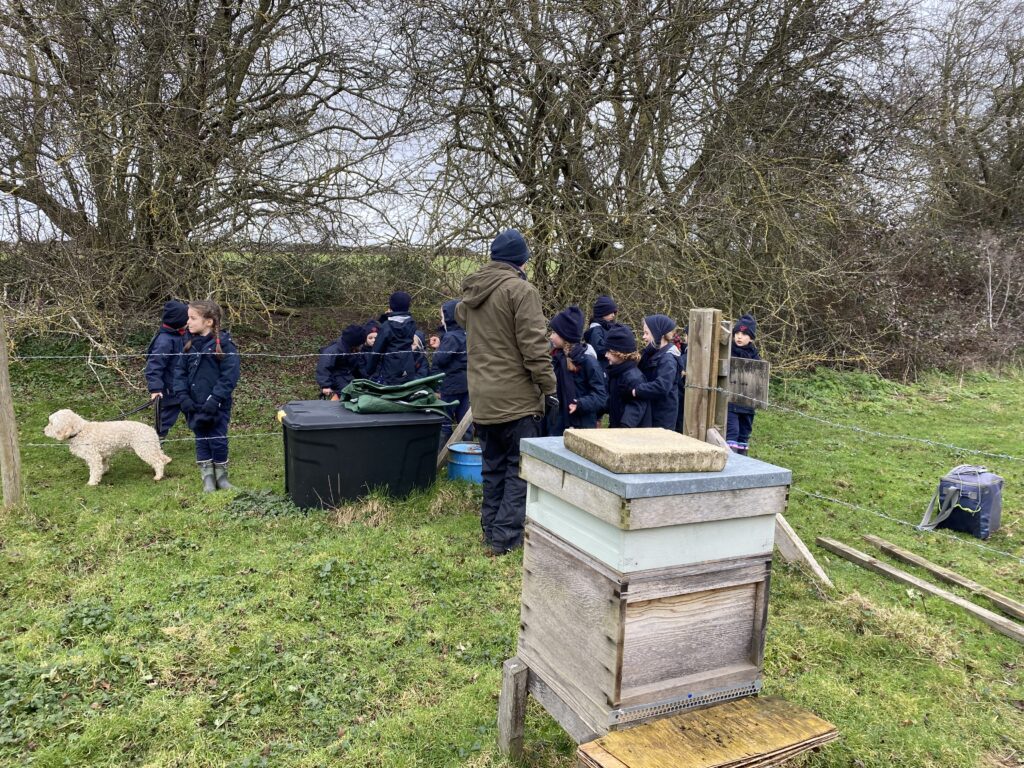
<point>755,732</point>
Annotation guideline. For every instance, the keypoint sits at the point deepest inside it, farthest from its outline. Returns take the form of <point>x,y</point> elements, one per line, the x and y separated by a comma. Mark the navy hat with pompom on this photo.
<point>747,325</point>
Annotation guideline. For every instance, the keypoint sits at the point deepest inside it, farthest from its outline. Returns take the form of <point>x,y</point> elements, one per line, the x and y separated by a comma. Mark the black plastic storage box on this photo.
<point>332,455</point>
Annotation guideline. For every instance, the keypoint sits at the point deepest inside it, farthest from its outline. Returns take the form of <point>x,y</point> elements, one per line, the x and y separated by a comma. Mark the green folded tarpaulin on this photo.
<point>365,396</point>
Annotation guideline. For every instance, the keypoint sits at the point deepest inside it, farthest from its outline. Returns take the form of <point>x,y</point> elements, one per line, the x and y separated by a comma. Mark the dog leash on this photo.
<point>142,407</point>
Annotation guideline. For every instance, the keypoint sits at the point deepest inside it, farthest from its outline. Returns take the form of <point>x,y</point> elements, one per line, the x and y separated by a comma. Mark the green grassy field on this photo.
<point>147,624</point>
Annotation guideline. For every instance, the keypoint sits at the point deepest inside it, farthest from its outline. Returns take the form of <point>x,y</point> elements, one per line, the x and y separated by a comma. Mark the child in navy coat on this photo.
<point>204,380</point>
<point>392,359</point>
<point>660,370</point>
<point>624,410</point>
<point>450,359</point>
<point>602,320</point>
<point>161,359</point>
<point>741,417</point>
<point>581,385</point>
<point>341,362</point>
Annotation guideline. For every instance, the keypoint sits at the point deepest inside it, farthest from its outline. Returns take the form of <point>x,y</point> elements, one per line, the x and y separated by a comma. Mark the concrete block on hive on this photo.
<point>645,451</point>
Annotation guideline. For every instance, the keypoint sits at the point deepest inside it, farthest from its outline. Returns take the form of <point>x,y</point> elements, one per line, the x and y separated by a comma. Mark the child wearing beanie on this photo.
<point>601,321</point>
<point>341,362</point>
<point>741,417</point>
<point>581,388</point>
<point>392,359</point>
<point>624,410</point>
<point>161,358</point>
<point>660,370</point>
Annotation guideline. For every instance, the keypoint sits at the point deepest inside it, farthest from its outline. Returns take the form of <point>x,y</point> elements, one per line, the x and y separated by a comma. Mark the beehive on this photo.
<point>645,594</point>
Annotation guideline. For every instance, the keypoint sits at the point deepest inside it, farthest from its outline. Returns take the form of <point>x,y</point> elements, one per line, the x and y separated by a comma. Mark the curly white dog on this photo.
<point>97,441</point>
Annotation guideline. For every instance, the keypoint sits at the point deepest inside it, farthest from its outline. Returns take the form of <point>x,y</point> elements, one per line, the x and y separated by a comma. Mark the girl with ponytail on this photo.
<point>204,381</point>
<point>581,385</point>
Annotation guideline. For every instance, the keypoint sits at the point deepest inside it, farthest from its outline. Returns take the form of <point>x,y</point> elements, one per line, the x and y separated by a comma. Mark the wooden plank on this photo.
<point>666,582</point>
<point>685,635</point>
<point>571,625</point>
<point>658,511</point>
<point>716,352</point>
<point>994,620</point>
<point>1006,604</point>
<point>793,550</point>
<point>722,381</point>
<point>655,695</point>
<point>512,707</point>
<point>10,452</point>
<point>599,502</point>
<point>745,733</point>
<point>699,373</point>
<point>457,433</point>
<point>578,730</point>
<point>748,380</point>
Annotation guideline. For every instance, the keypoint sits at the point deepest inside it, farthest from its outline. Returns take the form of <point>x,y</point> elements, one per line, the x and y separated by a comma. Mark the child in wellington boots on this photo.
<point>741,417</point>
<point>581,385</point>
<point>660,371</point>
<point>161,359</point>
<point>204,380</point>
<point>624,410</point>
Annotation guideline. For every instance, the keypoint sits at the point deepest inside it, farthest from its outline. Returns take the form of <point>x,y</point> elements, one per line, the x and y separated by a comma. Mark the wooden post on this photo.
<point>512,707</point>
<point>724,370</point>
<point>10,456</point>
<point>701,372</point>
<point>457,433</point>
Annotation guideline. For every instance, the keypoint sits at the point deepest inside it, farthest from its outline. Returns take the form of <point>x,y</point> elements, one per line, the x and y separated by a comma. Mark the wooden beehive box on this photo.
<point>645,594</point>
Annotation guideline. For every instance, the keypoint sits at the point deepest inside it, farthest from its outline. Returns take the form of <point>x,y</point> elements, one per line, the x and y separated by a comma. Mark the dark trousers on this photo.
<point>455,414</point>
<point>738,428</point>
<point>503,513</point>
<point>168,416</point>
<point>212,437</point>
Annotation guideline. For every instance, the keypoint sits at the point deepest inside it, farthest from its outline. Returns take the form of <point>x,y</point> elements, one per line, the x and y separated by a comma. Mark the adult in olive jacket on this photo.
<point>510,374</point>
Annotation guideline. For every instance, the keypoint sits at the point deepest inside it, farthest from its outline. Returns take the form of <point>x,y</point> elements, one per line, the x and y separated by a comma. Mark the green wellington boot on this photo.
<point>221,474</point>
<point>209,479</point>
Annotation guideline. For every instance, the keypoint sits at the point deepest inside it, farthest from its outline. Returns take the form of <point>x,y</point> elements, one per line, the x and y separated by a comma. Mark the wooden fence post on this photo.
<point>10,456</point>
<point>700,408</point>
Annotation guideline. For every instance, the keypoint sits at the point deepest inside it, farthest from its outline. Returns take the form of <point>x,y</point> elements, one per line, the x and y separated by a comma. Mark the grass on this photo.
<point>148,624</point>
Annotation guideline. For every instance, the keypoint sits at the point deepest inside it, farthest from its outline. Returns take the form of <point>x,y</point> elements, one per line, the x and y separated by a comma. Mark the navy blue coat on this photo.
<point>200,375</point>
<point>338,365</point>
<point>750,353</point>
<point>624,410</point>
<point>591,396</point>
<point>450,357</point>
<point>595,337</point>
<point>392,360</point>
<point>161,359</point>
<point>659,389</point>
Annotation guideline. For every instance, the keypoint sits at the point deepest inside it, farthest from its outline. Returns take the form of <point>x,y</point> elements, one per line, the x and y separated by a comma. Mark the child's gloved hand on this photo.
<point>188,405</point>
<point>210,407</point>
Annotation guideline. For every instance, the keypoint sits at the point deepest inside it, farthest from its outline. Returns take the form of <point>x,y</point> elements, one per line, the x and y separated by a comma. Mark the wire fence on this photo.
<point>864,431</point>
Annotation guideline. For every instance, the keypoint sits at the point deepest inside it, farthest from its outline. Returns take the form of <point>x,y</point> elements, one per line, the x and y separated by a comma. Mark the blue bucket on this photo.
<point>465,462</point>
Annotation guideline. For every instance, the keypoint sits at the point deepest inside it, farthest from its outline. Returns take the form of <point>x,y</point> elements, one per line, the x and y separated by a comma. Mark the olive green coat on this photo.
<point>509,357</point>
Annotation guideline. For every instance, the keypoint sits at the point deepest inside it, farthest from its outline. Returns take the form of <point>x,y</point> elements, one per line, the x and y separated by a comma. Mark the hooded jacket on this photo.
<point>161,359</point>
<point>660,390</point>
<point>200,375</point>
<point>392,360</point>
<point>450,357</point>
<point>509,362</point>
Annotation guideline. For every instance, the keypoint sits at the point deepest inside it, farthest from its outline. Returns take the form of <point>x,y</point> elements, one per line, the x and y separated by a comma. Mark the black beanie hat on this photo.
<point>747,324</point>
<point>604,306</point>
<point>175,314</point>
<point>620,338</point>
<point>569,324</point>
<point>659,326</point>
<point>510,246</point>
<point>399,301</point>
<point>353,336</point>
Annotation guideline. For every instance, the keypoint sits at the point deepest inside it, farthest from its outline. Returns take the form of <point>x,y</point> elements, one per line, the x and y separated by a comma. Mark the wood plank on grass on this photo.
<point>994,620</point>
<point>1006,604</point>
